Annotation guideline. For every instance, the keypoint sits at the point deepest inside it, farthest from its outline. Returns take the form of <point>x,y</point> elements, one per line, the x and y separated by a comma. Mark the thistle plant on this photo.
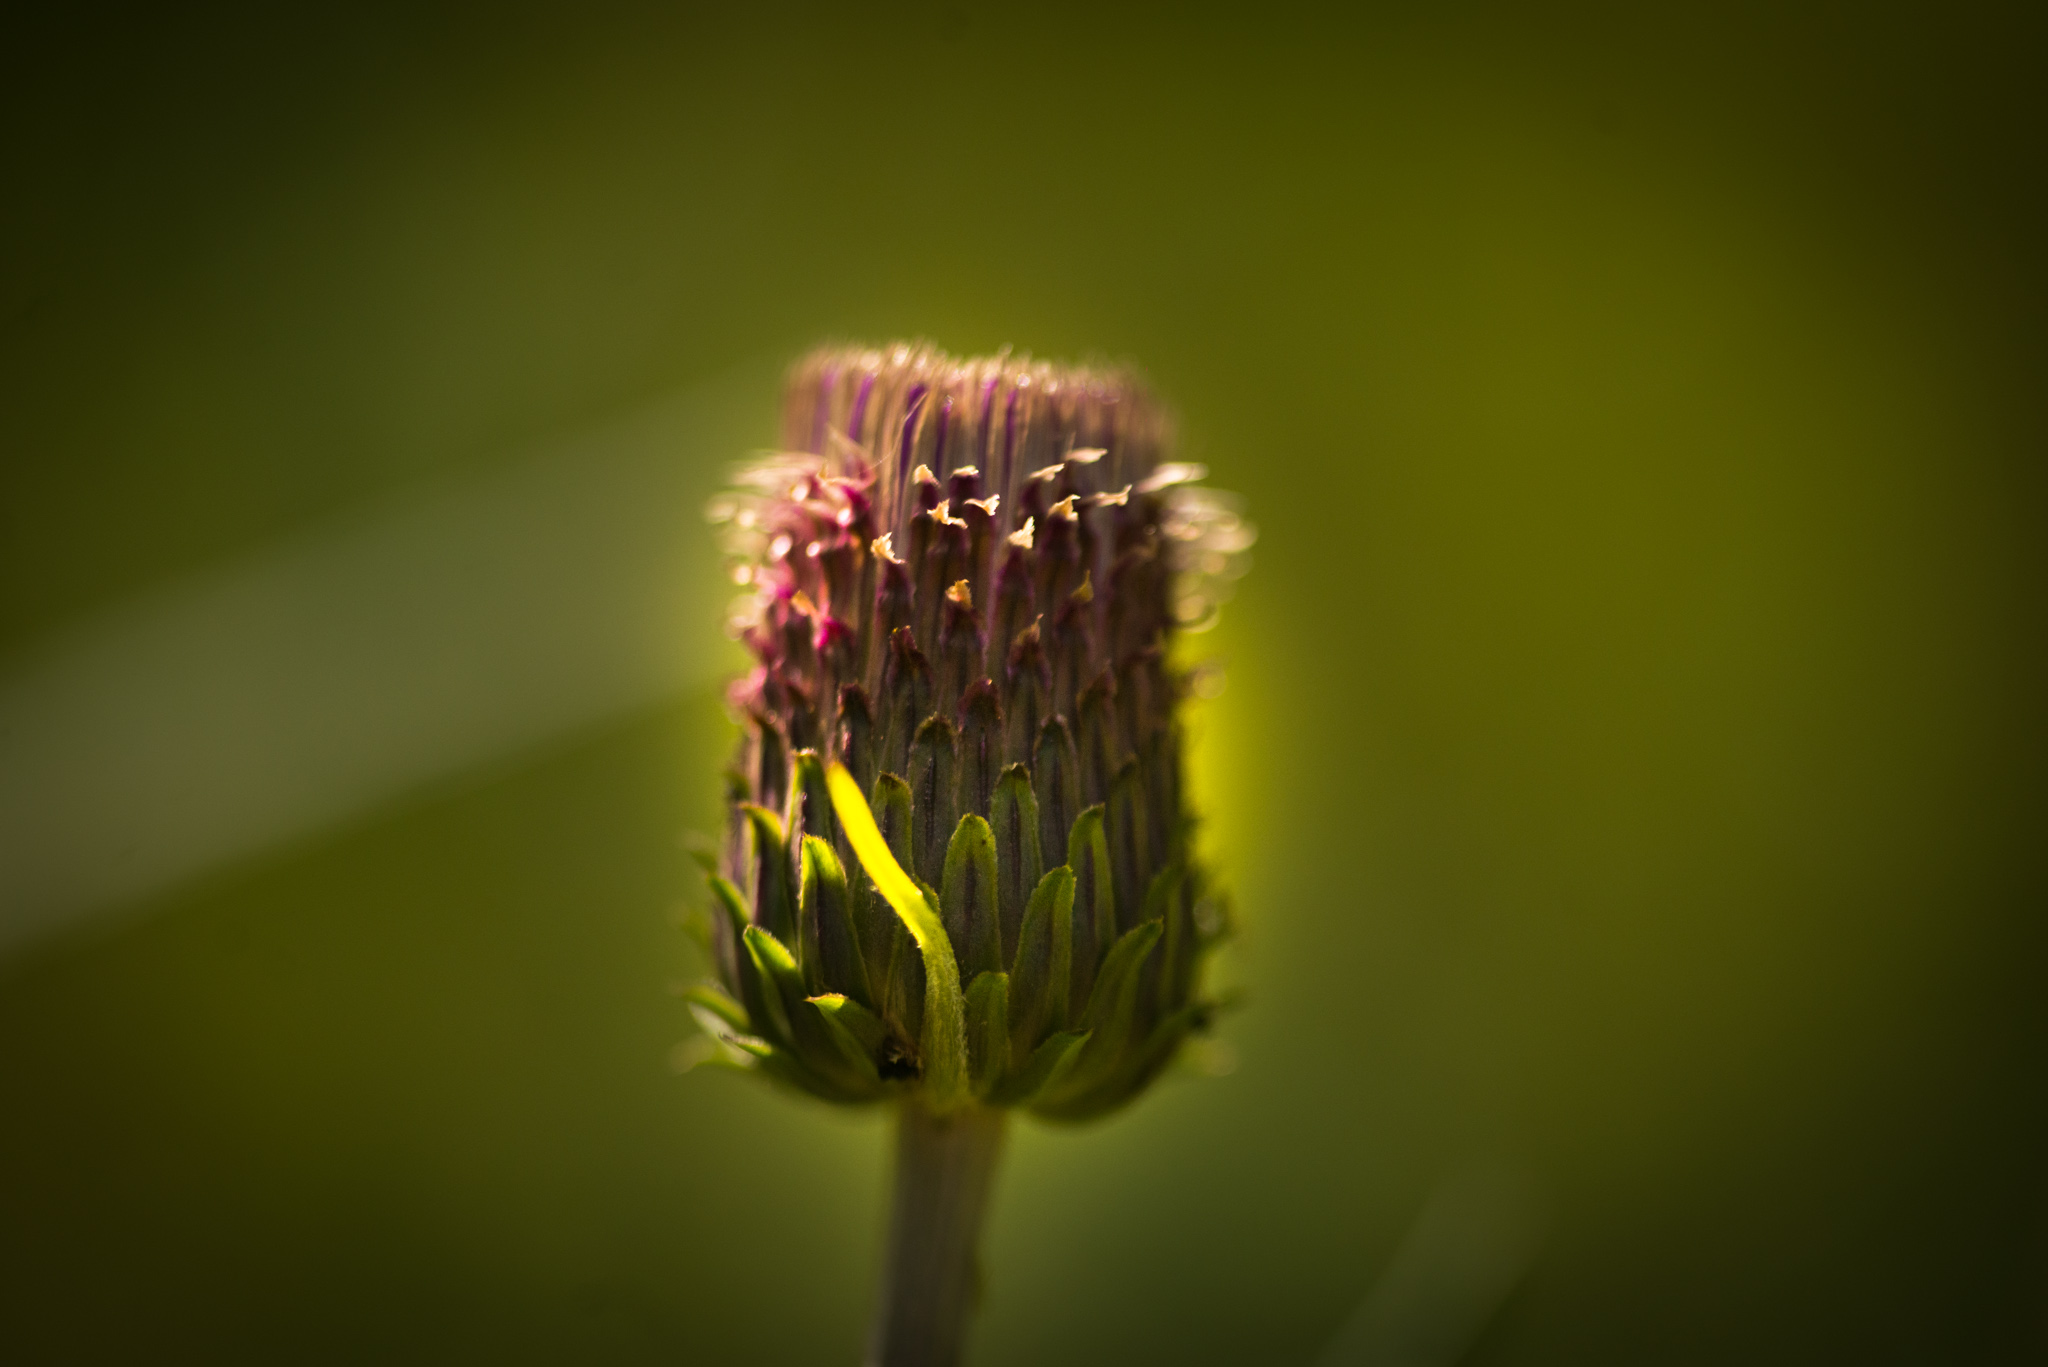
<point>958,874</point>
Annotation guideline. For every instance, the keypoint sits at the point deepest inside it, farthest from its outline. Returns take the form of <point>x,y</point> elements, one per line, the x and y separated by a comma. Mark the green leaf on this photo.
<point>988,1029</point>
<point>943,1042</point>
<point>967,903</point>
<point>1045,1069</point>
<point>1045,952</point>
<point>773,906</point>
<point>832,958</point>
<point>1019,864</point>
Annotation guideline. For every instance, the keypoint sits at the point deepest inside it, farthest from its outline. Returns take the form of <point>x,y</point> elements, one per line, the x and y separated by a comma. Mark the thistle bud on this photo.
<point>958,859</point>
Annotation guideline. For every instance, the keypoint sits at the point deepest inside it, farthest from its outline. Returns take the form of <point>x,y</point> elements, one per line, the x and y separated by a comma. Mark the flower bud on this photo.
<point>958,857</point>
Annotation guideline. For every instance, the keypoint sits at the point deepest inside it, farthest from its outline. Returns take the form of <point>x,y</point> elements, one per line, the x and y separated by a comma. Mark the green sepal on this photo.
<point>1045,952</point>
<point>702,1052</point>
<point>773,905</point>
<point>1046,1067</point>
<point>1164,905</point>
<point>943,1040</point>
<point>809,950</point>
<point>863,1025</point>
<point>1135,1071</point>
<point>1013,816</point>
<point>1119,976</point>
<point>832,958</point>
<point>1094,903</point>
<point>785,1067</point>
<point>732,903</point>
<point>781,984</point>
<point>1164,884</point>
<point>988,1030</point>
<point>854,1029</point>
<point>806,1032</point>
<point>721,1006</point>
<point>1126,822</point>
<point>967,903</point>
<point>810,807</point>
<point>1158,1049</point>
<point>753,995</point>
<point>1111,1007</point>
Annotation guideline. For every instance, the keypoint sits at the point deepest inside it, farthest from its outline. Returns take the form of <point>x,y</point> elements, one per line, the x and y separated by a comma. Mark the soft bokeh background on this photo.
<point>1631,764</point>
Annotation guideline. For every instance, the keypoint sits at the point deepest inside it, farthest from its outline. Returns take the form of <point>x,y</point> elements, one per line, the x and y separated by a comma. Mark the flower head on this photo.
<point>959,852</point>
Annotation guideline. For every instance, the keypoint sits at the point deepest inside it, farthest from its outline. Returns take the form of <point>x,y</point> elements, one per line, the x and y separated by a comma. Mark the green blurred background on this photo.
<point>1631,766</point>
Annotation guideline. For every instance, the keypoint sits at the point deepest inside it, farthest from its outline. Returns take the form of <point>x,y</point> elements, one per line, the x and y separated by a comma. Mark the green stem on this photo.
<point>945,1170</point>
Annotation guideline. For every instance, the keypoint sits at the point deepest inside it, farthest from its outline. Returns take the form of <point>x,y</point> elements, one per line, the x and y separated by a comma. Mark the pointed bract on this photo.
<point>988,1030</point>
<point>967,899</point>
<point>1044,967</point>
<point>1019,865</point>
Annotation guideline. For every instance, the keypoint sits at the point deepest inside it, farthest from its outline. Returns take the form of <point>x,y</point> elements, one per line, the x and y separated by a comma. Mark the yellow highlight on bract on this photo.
<point>858,821</point>
<point>944,1042</point>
